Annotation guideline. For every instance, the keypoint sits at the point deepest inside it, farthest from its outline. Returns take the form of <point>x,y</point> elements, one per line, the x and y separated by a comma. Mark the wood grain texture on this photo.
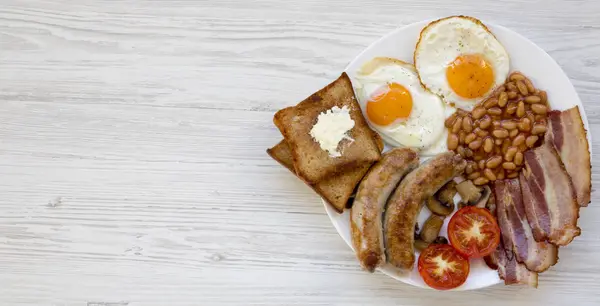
<point>132,162</point>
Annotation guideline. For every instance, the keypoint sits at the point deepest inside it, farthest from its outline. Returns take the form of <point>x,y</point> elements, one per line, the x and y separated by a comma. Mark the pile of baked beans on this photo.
<point>496,133</point>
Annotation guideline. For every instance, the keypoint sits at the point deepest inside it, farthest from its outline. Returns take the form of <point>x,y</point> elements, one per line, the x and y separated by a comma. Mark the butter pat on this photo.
<point>331,128</point>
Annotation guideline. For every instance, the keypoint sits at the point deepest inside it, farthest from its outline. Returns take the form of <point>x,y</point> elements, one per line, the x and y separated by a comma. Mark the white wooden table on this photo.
<point>132,150</point>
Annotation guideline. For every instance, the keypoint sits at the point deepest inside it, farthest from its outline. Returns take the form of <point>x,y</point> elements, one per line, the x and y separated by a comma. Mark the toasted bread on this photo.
<point>311,162</point>
<point>335,190</point>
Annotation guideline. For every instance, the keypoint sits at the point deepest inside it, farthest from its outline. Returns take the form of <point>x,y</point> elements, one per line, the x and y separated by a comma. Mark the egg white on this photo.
<point>442,41</point>
<point>424,129</point>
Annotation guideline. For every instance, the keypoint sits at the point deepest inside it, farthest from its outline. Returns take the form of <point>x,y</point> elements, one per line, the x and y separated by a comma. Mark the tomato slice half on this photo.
<point>442,267</point>
<point>474,232</point>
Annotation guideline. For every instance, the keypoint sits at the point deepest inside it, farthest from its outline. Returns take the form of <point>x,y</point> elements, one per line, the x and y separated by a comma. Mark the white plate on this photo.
<point>526,57</point>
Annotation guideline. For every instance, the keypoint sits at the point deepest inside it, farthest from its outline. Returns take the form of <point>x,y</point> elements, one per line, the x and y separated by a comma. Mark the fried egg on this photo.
<point>399,108</point>
<point>460,60</point>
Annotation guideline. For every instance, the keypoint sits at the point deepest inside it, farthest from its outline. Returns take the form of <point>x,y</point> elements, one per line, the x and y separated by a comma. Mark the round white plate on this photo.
<point>526,57</point>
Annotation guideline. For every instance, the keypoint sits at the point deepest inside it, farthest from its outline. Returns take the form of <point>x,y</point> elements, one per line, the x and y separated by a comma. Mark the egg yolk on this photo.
<point>470,76</point>
<point>395,102</point>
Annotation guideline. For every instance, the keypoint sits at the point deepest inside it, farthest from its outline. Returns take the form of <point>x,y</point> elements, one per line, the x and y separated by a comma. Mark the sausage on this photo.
<point>373,192</point>
<point>407,200</point>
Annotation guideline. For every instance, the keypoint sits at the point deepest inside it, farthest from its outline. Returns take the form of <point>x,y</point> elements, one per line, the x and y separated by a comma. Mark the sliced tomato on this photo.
<point>474,232</point>
<point>442,267</point>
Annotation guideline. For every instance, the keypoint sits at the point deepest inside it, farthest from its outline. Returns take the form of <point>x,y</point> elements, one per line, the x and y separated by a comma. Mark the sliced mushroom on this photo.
<point>440,240</point>
<point>421,245</point>
<point>438,208</point>
<point>491,204</point>
<point>485,196</point>
<point>431,228</point>
<point>446,194</point>
<point>469,193</point>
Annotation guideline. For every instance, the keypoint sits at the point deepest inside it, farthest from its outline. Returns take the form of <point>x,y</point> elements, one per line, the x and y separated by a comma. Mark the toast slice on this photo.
<point>311,162</point>
<point>335,190</point>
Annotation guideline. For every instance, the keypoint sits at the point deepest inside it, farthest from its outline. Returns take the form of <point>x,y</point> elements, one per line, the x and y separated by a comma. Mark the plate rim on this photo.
<point>331,213</point>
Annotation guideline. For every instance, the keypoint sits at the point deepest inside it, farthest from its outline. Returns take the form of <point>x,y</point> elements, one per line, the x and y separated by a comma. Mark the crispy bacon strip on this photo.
<point>516,233</point>
<point>511,271</point>
<point>567,133</point>
<point>549,197</point>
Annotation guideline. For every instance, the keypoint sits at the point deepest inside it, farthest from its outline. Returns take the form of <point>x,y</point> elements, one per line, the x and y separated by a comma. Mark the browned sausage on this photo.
<point>405,204</point>
<point>373,192</point>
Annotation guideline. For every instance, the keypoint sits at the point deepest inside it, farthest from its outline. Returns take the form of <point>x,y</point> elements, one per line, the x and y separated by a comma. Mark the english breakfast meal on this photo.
<point>470,140</point>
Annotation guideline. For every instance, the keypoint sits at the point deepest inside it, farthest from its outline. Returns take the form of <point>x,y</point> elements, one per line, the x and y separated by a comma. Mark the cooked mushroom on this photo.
<point>485,196</point>
<point>421,245</point>
<point>491,204</point>
<point>469,193</point>
<point>416,231</point>
<point>438,208</point>
<point>446,194</point>
<point>431,228</point>
<point>440,240</point>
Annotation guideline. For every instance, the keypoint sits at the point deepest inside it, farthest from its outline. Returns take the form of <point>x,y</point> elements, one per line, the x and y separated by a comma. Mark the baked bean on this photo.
<point>479,132</point>
<point>509,166</point>
<point>457,125</point>
<point>516,76</point>
<point>461,150</point>
<point>511,86</point>
<point>539,109</point>
<point>491,102</point>
<point>470,138</point>
<point>520,110</point>
<point>519,139</point>
<point>509,124</point>
<point>518,159</point>
<point>478,112</point>
<point>505,145</point>
<point>500,174</point>
<point>467,124</point>
<point>480,181</point>
<point>494,111</point>
<point>524,125</point>
<point>495,134</point>
<point>488,145</point>
<point>510,154</point>
<point>468,152</point>
<point>531,140</point>
<point>475,144</point>
<point>531,116</point>
<point>474,175</point>
<point>511,108</point>
<point>470,167</point>
<point>502,99</point>
<point>489,174</point>
<point>538,129</point>
<point>481,164</point>
<point>493,162</point>
<point>485,122</point>
<point>500,133</point>
<point>529,85</point>
<point>543,97</point>
<point>522,88</point>
<point>533,99</point>
<point>523,147</point>
<point>452,142</point>
<point>541,119</point>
